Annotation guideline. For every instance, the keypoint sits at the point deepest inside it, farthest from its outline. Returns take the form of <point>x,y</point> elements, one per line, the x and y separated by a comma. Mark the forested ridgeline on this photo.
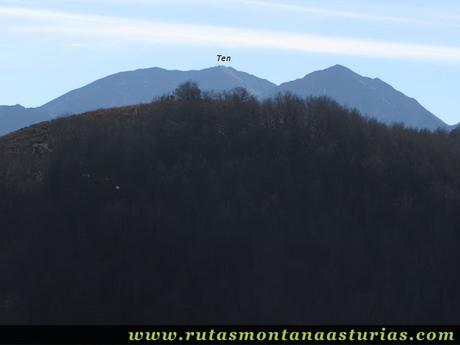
<point>223,209</point>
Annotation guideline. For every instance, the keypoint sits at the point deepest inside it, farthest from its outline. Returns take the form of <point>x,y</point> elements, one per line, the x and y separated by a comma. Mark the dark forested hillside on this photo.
<point>195,209</point>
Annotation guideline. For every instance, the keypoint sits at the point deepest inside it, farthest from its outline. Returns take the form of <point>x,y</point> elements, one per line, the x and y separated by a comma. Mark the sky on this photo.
<point>49,47</point>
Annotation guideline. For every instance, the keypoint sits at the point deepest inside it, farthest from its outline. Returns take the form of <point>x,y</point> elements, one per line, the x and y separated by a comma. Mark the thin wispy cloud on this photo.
<point>327,12</point>
<point>431,19</point>
<point>119,29</point>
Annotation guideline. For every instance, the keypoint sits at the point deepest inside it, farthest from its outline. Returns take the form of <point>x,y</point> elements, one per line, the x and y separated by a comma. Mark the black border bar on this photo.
<point>108,335</point>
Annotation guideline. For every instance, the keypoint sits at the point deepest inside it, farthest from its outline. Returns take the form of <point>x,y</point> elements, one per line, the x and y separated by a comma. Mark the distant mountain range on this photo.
<point>16,116</point>
<point>372,97</point>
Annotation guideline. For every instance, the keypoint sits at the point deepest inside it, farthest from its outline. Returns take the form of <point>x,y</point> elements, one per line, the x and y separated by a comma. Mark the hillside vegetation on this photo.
<point>219,209</point>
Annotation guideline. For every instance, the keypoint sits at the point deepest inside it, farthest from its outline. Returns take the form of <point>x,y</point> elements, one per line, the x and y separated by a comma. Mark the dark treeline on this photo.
<point>223,209</point>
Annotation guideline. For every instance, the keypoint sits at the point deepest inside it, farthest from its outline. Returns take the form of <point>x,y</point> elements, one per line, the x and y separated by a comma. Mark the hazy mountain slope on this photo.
<point>16,116</point>
<point>140,86</point>
<point>371,97</point>
<point>453,127</point>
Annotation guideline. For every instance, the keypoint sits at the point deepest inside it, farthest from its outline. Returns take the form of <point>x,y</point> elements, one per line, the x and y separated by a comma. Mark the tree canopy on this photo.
<point>223,209</point>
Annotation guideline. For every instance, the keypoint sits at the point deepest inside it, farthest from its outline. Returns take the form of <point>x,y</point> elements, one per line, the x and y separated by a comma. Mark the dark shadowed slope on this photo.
<point>371,97</point>
<point>228,211</point>
<point>140,86</point>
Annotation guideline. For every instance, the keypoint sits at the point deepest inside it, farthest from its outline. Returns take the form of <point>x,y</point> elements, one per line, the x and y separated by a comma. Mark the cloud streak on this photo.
<point>126,30</point>
<point>443,20</point>
<point>431,19</point>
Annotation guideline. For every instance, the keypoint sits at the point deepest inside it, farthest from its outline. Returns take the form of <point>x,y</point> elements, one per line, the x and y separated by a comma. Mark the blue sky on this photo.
<point>49,47</point>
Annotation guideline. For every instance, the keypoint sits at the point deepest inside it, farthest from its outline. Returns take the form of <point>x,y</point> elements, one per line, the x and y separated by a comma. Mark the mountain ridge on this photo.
<point>371,96</point>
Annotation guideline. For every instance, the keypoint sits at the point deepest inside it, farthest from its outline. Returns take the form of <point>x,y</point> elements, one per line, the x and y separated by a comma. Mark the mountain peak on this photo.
<point>220,68</point>
<point>371,97</point>
<point>339,69</point>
